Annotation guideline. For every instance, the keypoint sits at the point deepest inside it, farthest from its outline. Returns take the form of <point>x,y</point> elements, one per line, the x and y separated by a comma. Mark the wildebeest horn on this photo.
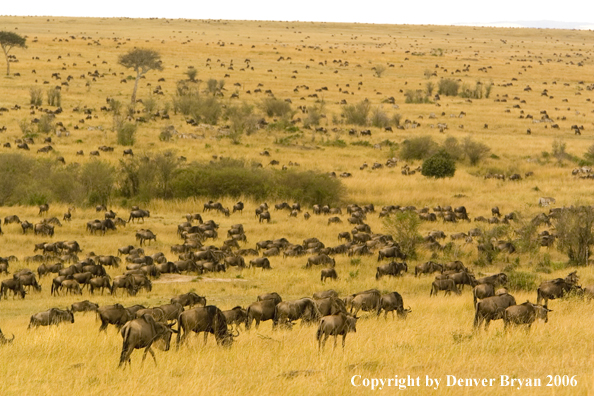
<point>409,309</point>
<point>10,339</point>
<point>235,335</point>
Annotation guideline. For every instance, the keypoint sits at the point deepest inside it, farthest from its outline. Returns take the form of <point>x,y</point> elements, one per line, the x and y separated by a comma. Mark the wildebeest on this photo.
<point>556,288</point>
<point>485,290</point>
<point>320,259</point>
<point>285,312</point>
<point>53,316</point>
<point>497,279</point>
<point>428,268</point>
<point>260,311</point>
<point>124,282</point>
<point>392,302</point>
<point>15,285</point>
<point>524,314</point>
<point>391,269</point>
<point>463,278</point>
<point>43,209</point>
<point>391,252</point>
<point>12,219</point>
<point>29,280</point>
<point>144,235</point>
<point>328,273</point>
<point>115,314</point>
<point>139,214</point>
<point>235,316</point>
<point>189,300</point>
<point>448,285</point>
<point>261,262</point>
<point>42,228</point>
<point>4,340</point>
<point>141,333</point>
<point>492,308</point>
<point>330,306</point>
<point>208,319</point>
<point>325,294</point>
<point>84,306</point>
<point>367,300</point>
<point>335,325</point>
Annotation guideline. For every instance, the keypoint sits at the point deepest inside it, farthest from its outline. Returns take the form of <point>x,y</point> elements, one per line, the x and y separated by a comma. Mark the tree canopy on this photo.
<point>8,40</point>
<point>142,61</point>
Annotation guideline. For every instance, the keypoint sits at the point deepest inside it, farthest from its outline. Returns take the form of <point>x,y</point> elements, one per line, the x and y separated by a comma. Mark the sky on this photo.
<point>434,12</point>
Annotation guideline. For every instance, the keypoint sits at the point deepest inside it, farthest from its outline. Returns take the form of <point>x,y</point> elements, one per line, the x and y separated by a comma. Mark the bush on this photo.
<point>404,228</point>
<point>518,280</point>
<point>378,70</point>
<point>448,87</point>
<point>429,87</point>
<point>97,179</point>
<point>418,148</point>
<point>439,165</point>
<point>379,118</point>
<point>276,107</point>
<point>126,132</point>
<point>357,114</point>
<point>35,96</point>
<point>314,115</point>
<point>452,147</point>
<point>242,119</point>
<point>574,233</point>
<point>191,73</point>
<point>475,151</point>
<point>46,124</point>
<point>150,105</point>
<point>396,119</point>
<point>418,96</point>
<point>54,97</point>
<point>488,89</point>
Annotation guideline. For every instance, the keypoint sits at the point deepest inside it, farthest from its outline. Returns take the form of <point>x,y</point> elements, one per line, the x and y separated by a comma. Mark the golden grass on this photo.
<point>437,338</point>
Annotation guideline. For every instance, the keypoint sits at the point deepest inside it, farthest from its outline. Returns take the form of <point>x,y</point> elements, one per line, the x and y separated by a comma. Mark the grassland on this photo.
<point>437,338</point>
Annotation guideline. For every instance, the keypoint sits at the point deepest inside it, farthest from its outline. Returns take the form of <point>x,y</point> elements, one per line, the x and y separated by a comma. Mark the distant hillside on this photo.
<point>537,24</point>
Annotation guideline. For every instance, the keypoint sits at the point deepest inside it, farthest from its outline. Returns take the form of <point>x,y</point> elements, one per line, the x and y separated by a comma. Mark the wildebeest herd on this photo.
<point>335,316</point>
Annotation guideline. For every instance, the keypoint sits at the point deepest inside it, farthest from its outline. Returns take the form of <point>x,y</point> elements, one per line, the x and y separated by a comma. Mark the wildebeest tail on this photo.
<point>476,314</point>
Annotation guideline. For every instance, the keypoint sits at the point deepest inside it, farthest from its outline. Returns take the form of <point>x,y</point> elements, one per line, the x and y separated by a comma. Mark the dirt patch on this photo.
<point>175,278</point>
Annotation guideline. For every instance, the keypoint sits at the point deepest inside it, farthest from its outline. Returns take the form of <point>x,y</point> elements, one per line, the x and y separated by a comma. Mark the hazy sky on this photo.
<point>442,12</point>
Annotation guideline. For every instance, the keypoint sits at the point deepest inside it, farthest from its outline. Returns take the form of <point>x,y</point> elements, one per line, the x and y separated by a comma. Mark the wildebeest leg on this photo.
<point>148,349</point>
<point>104,324</point>
<point>343,339</point>
<point>487,322</point>
<point>205,337</point>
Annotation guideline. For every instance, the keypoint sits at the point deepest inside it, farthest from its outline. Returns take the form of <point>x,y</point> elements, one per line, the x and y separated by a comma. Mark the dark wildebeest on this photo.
<point>141,333</point>
<point>286,312</point>
<point>208,319</point>
<point>113,314</point>
<point>235,316</point>
<point>325,294</point>
<point>320,259</point>
<point>556,288</point>
<point>456,266</point>
<point>29,280</point>
<point>261,262</point>
<point>260,311</point>
<point>25,225</point>
<point>144,235</point>
<point>391,269</point>
<point>71,286</point>
<point>15,285</point>
<point>238,207</point>
<point>492,308</point>
<point>270,296</point>
<point>139,214</point>
<point>497,279</point>
<point>157,313</point>
<point>335,325</point>
<point>443,284</point>
<point>171,311</point>
<point>84,306</point>
<point>331,306</point>
<point>367,301</point>
<point>392,302</point>
<point>463,278</point>
<point>428,268</point>
<point>524,314</point>
<point>235,261</point>
<point>43,209</point>
<point>391,252</point>
<point>124,282</point>
<point>189,300</point>
<point>328,273</point>
<point>100,282</point>
<point>485,290</point>
<point>53,316</point>
<point>12,219</point>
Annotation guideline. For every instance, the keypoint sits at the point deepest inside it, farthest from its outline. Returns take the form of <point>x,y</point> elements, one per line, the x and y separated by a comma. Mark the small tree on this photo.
<point>191,73</point>
<point>378,70</point>
<point>439,165</point>
<point>448,87</point>
<point>242,119</point>
<point>404,228</point>
<point>126,132</point>
<point>418,148</point>
<point>142,61</point>
<point>574,233</point>
<point>357,114</point>
<point>8,40</point>
<point>475,151</point>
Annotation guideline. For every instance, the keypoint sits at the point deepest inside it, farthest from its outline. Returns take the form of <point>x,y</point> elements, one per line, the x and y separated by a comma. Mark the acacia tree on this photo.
<point>8,40</point>
<point>142,61</point>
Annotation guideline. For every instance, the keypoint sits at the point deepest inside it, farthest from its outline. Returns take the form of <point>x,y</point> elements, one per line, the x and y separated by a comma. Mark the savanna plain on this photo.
<point>234,95</point>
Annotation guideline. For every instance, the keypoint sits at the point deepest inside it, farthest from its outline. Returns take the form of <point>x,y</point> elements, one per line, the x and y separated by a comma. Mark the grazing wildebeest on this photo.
<point>443,284</point>
<point>260,311</point>
<point>238,207</point>
<point>141,333</point>
<point>492,308</point>
<point>43,209</point>
<point>392,269</point>
<point>139,214</point>
<point>84,306</point>
<point>285,312</point>
<point>367,300</point>
<point>189,300</point>
<point>124,282</point>
<point>325,294</point>
<point>235,316</point>
<point>428,268</point>
<point>100,282</point>
<point>53,316</point>
<point>556,288</point>
<point>391,252</point>
<point>320,259</point>
<point>335,325</point>
<point>208,319</point>
<point>392,302</point>
<point>264,216</point>
<point>455,265</point>
<point>4,340</point>
<point>29,280</point>
<point>43,229</point>
<point>261,262</point>
<point>12,219</point>
<point>485,290</point>
<point>328,273</point>
<point>463,278</point>
<point>15,285</point>
<point>113,314</point>
<point>524,314</point>
<point>330,306</point>
<point>497,279</point>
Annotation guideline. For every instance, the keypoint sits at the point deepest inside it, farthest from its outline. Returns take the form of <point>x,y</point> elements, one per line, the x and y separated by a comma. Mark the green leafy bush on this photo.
<point>418,148</point>
<point>439,165</point>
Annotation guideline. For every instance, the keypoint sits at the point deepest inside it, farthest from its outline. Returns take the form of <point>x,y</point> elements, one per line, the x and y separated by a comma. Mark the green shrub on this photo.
<point>439,165</point>
<point>126,132</point>
<point>363,143</point>
<point>519,280</point>
<point>404,228</point>
<point>418,148</point>
<point>357,114</point>
<point>448,87</point>
<point>475,151</point>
